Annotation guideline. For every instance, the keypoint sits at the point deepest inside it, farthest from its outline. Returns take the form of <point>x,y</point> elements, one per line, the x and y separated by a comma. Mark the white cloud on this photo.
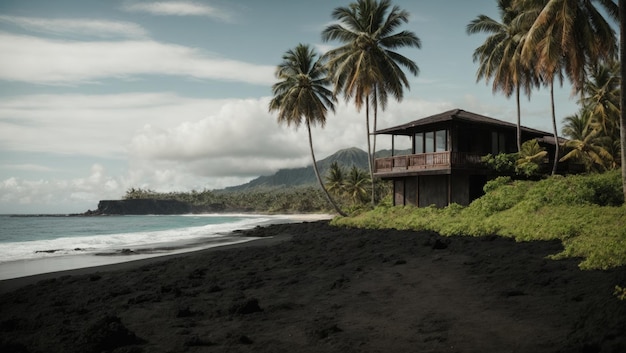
<point>61,196</point>
<point>177,8</point>
<point>91,125</point>
<point>82,27</point>
<point>240,127</point>
<point>77,195</point>
<point>44,61</point>
<point>205,137</point>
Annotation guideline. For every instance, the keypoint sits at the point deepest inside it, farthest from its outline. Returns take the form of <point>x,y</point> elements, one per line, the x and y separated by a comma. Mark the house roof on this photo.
<point>454,115</point>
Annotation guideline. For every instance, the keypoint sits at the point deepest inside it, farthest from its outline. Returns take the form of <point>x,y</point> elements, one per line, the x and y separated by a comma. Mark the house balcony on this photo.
<point>426,163</point>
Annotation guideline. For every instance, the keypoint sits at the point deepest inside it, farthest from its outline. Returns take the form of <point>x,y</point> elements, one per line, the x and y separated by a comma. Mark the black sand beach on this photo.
<point>316,288</point>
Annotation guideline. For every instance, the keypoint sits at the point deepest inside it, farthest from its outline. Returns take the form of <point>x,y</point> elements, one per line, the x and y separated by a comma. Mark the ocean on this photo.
<point>38,244</point>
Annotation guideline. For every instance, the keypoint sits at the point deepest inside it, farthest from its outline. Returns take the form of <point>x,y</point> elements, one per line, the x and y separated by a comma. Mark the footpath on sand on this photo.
<point>318,288</point>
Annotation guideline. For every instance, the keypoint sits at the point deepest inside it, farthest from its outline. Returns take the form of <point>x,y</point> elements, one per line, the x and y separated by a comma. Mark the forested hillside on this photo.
<point>305,176</point>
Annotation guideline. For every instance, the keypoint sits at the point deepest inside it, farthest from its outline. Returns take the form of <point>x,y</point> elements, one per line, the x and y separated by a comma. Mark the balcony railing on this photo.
<point>426,161</point>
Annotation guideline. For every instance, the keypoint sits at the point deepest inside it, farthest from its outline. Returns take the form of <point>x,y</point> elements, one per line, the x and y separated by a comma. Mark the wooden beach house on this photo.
<point>443,164</point>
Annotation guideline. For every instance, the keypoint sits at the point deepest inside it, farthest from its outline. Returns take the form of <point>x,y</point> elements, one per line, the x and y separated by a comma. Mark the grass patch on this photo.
<point>583,212</point>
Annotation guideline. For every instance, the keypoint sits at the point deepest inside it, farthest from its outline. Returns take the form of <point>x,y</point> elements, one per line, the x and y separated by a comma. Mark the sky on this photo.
<point>97,97</point>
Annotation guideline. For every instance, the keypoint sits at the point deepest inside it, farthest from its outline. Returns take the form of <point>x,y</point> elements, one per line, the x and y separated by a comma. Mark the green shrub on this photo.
<point>502,163</point>
<point>607,188</point>
<point>493,184</point>
<point>500,196</point>
<point>595,189</point>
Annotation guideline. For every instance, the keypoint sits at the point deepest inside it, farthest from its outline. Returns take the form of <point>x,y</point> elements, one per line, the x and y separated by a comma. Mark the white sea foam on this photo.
<point>172,238</point>
<point>18,259</point>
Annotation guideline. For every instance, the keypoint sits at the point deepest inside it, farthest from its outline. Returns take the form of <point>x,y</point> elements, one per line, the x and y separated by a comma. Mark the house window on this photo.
<point>401,145</point>
<point>431,141</point>
<point>419,143</point>
<point>494,143</point>
<point>441,142</point>
<point>498,142</point>
<point>502,142</point>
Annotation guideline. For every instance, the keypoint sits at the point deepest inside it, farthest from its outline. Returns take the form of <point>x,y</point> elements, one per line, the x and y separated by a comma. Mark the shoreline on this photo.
<point>35,266</point>
<point>311,287</point>
<point>11,284</point>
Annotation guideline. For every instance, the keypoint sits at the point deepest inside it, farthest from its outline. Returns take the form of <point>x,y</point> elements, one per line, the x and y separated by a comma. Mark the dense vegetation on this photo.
<point>583,212</point>
<point>305,199</point>
<point>529,162</point>
<point>594,134</point>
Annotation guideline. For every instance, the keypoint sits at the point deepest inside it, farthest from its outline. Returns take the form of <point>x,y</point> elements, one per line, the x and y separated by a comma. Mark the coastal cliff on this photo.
<point>142,207</point>
<point>156,207</point>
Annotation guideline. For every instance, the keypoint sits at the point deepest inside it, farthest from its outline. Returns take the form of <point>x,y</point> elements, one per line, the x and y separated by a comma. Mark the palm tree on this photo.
<point>301,95</point>
<point>588,144</point>
<point>542,52</point>
<point>594,131</point>
<point>356,185</point>
<point>573,32</point>
<point>564,38</point>
<point>601,99</point>
<point>576,126</point>
<point>366,68</point>
<point>335,178</point>
<point>499,56</point>
<point>590,151</point>
<point>530,157</point>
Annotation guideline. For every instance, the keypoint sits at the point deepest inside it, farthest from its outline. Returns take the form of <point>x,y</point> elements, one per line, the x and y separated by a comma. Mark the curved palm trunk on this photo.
<point>519,120</point>
<point>369,142</point>
<point>556,133</point>
<point>374,148</point>
<point>317,173</point>
<point>622,55</point>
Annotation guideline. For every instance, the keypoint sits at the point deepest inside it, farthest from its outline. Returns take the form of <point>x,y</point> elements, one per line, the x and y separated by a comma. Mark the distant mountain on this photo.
<point>306,176</point>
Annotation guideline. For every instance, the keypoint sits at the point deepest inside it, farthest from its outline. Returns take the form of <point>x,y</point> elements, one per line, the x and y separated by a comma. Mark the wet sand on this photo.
<point>309,287</point>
